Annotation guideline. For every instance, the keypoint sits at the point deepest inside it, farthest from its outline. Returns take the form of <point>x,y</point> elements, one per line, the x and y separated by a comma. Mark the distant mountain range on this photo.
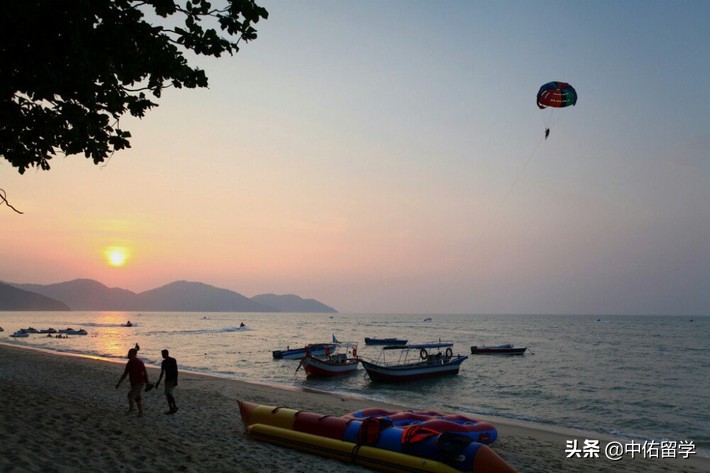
<point>12,298</point>
<point>178,296</point>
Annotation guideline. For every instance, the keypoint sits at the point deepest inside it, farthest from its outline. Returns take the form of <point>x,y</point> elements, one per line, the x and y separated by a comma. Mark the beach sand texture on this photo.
<point>61,413</point>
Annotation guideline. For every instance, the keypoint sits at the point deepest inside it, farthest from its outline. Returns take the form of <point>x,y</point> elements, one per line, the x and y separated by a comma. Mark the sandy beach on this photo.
<point>61,413</point>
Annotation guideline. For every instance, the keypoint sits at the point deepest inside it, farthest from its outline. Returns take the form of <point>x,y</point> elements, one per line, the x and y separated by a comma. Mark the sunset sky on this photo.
<point>388,156</point>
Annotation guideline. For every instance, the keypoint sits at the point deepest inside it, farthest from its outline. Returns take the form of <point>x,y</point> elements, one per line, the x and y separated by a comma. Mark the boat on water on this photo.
<point>317,349</point>
<point>342,361</point>
<point>385,341</point>
<point>71,331</point>
<point>25,332</point>
<point>415,362</point>
<point>506,349</point>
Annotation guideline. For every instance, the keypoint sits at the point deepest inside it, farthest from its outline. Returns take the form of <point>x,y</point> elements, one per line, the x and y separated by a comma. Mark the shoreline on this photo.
<point>543,427</point>
<point>66,402</point>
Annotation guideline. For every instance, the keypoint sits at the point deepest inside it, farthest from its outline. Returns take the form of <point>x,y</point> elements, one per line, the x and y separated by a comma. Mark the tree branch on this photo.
<point>66,85</point>
<point>4,200</point>
<point>126,89</point>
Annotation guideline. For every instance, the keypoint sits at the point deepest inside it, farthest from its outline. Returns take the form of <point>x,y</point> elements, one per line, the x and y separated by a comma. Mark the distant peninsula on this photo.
<point>178,296</point>
<point>13,298</point>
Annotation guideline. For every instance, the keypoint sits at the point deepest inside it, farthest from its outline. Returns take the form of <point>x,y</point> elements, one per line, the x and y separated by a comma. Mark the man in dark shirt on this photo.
<point>170,370</point>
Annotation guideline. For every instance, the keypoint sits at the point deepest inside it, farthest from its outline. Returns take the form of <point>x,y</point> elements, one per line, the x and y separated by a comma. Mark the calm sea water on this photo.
<point>642,377</point>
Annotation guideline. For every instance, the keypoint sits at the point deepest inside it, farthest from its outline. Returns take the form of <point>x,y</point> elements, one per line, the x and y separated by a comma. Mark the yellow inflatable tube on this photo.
<point>375,458</point>
<point>270,415</point>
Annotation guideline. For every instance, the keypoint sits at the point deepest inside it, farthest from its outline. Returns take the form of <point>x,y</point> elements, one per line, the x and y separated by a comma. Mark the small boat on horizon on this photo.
<point>385,341</point>
<point>506,349</point>
<point>408,368</point>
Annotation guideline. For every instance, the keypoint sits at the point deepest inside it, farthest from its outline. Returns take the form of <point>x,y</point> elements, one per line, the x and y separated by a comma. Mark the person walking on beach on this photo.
<point>138,377</point>
<point>170,370</point>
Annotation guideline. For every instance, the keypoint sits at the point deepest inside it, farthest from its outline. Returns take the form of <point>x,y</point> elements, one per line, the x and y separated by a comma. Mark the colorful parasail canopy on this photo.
<point>556,94</point>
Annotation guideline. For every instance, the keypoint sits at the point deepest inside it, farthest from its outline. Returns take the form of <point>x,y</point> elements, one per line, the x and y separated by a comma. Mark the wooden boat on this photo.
<point>409,368</point>
<point>385,341</point>
<point>343,360</point>
<point>506,349</point>
<point>374,442</point>
<point>317,349</point>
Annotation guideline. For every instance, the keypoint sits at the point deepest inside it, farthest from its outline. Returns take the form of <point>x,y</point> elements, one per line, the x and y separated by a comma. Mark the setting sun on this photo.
<point>116,256</point>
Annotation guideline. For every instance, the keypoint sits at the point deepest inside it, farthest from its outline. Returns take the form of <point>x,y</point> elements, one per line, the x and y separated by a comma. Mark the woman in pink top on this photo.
<point>138,377</point>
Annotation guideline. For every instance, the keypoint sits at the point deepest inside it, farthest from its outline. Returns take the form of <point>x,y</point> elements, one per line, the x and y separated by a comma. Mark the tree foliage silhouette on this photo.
<point>70,69</point>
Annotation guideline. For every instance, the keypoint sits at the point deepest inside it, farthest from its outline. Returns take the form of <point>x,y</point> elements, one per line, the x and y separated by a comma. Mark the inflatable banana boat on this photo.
<point>375,441</point>
<point>481,432</point>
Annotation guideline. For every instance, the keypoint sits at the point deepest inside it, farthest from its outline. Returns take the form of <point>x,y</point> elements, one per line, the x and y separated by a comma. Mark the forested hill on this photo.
<point>178,296</point>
